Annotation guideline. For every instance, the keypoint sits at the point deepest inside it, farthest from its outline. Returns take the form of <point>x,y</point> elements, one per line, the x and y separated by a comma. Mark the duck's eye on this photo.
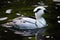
<point>37,10</point>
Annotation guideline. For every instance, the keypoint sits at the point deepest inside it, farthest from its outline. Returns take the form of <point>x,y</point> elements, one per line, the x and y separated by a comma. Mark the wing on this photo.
<point>26,26</point>
<point>30,20</point>
<point>24,19</point>
<point>25,23</point>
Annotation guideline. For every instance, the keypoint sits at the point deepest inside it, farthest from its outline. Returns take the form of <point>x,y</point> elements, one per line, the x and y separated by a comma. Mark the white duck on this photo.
<point>30,23</point>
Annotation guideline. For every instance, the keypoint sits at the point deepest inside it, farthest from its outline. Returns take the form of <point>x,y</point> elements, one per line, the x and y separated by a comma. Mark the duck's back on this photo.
<point>31,20</point>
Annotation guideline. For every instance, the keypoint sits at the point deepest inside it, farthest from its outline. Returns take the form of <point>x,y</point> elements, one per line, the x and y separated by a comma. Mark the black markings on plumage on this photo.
<point>37,10</point>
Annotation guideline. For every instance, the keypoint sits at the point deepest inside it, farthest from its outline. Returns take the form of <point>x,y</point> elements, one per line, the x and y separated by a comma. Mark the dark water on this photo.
<point>6,34</point>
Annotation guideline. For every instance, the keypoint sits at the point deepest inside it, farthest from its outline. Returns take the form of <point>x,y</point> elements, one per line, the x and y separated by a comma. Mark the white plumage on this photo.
<point>30,23</point>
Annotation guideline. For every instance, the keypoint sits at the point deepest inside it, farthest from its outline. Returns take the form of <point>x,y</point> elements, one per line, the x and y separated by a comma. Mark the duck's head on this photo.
<point>39,8</point>
<point>39,11</point>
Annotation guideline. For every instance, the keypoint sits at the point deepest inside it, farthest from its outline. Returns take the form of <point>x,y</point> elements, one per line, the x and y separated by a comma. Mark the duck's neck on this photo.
<point>38,17</point>
<point>39,14</point>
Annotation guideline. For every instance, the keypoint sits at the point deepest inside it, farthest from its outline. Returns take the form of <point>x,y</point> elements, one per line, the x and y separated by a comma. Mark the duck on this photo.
<point>28,24</point>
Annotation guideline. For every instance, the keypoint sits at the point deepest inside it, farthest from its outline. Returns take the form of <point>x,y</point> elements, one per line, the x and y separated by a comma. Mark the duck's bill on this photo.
<point>45,11</point>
